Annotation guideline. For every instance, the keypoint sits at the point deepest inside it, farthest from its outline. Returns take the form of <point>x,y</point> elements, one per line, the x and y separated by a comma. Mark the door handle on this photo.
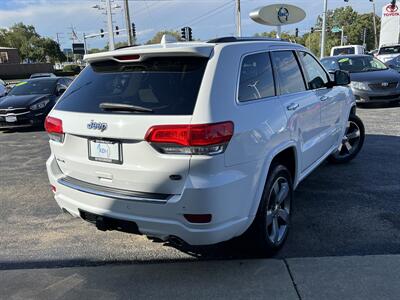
<point>323,98</point>
<point>292,106</point>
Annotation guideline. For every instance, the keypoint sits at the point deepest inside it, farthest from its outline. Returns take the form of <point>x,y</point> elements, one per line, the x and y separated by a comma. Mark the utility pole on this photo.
<point>238,19</point>
<point>374,18</point>
<point>58,37</point>
<point>128,23</point>
<point>110,25</point>
<point>324,29</point>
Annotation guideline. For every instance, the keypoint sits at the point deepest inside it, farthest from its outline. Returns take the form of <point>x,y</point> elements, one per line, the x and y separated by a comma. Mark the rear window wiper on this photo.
<point>123,107</point>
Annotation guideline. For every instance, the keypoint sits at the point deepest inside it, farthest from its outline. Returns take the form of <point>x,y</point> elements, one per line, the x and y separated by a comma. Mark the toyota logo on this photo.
<point>283,15</point>
<point>392,8</point>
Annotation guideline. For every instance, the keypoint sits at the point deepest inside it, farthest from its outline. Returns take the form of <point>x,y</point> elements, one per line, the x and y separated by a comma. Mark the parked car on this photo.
<point>388,52</point>
<point>29,101</point>
<point>198,142</point>
<point>348,49</point>
<point>394,63</point>
<point>371,80</point>
<point>40,75</point>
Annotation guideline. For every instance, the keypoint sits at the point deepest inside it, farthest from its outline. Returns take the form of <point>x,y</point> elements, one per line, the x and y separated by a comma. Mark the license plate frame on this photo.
<point>11,119</point>
<point>111,157</point>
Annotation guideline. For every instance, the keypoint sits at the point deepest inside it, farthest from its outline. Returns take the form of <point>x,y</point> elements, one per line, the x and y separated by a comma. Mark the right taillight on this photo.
<point>54,129</point>
<point>202,139</point>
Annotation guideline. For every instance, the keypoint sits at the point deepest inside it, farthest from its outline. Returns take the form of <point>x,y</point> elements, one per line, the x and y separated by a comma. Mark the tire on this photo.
<point>352,142</point>
<point>270,228</point>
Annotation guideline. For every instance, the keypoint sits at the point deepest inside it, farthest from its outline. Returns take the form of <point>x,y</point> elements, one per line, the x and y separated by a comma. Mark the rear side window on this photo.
<point>317,77</point>
<point>256,78</point>
<point>390,50</point>
<point>166,85</point>
<point>288,72</point>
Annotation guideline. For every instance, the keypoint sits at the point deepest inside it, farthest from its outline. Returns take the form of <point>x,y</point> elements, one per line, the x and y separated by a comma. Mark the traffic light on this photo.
<point>183,33</point>
<point>297,32</point>
<point>312,29</point>
<point>102,33</point>
<point>116,30</point>
<point>134,30</point>
<point>186,33</point>
<point>190,33</point>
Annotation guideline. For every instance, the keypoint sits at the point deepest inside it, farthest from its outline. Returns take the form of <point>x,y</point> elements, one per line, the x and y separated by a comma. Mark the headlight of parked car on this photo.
<point>359,85</point>
<point>39,105</point>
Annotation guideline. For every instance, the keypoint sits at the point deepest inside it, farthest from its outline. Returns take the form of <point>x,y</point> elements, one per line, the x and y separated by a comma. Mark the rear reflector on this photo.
<point>198,218</point>
<point>53,189</point>
<point>54,128</point>
<point>206,139</point>
<point>127,57</point>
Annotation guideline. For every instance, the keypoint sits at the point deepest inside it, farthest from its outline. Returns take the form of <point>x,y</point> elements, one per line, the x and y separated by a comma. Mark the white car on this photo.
<point>348,49</point>
<point>198,142</point>
<point>388,52</point>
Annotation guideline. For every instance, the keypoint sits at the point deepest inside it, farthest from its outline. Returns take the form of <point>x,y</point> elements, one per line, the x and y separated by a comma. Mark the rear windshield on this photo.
<point>390,50</point>
<point>343,51</point>
<point>166,85</point>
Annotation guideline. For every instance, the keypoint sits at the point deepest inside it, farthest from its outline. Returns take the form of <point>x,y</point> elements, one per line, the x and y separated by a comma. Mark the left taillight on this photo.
<point>201,139</point>
<point>54,129</point>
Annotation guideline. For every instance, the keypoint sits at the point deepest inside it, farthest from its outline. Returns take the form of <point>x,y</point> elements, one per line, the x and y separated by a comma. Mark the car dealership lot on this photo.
<point>340,210</point>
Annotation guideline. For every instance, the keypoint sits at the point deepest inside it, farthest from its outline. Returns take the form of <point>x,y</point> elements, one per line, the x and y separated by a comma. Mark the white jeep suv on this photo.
<point>201,141</point>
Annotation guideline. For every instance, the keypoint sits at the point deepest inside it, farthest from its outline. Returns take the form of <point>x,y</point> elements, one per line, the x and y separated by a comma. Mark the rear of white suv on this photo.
<point>122,143</point>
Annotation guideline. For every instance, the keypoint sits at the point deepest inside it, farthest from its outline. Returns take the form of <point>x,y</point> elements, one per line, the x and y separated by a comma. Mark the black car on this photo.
<point>371,80</point>
<point>29,101</point>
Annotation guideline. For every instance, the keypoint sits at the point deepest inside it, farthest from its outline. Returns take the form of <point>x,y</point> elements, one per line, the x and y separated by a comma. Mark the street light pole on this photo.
<point>324,29</point>
<point>374,18</point>
<point>110,25</point>
<point>128,23</point>
<point>238,19</point>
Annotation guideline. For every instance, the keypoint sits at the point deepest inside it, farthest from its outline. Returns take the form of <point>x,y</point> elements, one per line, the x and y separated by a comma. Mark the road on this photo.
<point>339,211</point>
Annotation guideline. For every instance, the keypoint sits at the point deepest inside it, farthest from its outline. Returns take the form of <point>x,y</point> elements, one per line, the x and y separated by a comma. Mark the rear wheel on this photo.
<point>352,141</point>
<point>271,225</point>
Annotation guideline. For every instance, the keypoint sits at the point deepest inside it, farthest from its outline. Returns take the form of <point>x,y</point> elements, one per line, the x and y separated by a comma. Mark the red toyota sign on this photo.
<point>392,11</point>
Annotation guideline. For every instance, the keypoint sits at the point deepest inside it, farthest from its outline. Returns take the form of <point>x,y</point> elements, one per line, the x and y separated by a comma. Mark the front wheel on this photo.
<point>352,141</point>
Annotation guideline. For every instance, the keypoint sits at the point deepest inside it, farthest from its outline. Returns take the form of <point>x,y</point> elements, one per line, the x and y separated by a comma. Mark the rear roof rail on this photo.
<point>232,39</point>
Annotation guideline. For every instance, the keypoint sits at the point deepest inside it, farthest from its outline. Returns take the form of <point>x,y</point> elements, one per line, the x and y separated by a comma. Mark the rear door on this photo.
<point>301,105</point>
<point>331,100</point>
<point>106,146</point>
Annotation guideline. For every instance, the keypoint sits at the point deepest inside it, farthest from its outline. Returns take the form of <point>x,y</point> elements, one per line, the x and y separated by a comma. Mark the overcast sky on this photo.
<point>208,18</point>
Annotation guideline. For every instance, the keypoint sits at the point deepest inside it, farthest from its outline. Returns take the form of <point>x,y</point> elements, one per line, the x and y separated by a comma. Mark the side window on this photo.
<point>256,78</point>
<point>288,72</point>
<point>317,77</point>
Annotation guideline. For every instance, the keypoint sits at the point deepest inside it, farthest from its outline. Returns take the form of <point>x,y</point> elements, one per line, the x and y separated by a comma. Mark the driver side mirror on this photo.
<point>61,89</point>
<point>341,78</point>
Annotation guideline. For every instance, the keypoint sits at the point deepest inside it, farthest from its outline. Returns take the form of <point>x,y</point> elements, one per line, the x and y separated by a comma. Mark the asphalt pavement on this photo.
<point>346,226</point>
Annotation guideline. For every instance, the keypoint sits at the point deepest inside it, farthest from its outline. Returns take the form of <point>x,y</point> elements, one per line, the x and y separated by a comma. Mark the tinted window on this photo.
<point>33,87</point>
<point>343,51</point>
<point>330,64</point>
<point>256,78</point>
<point>316,76</point>
<point>167,85</point>
<point>288,72</point>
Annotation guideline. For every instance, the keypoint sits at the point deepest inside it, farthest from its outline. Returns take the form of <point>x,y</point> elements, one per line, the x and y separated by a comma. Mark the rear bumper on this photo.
<point>229,203</point>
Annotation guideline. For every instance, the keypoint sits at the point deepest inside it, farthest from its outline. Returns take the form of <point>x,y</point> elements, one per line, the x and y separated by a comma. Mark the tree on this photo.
<point>158,36</point>
<point>30,44</point>
<point>284,35</point>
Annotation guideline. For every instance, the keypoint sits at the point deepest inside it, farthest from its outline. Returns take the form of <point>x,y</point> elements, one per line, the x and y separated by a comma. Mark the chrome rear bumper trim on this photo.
<point>114,193</point>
